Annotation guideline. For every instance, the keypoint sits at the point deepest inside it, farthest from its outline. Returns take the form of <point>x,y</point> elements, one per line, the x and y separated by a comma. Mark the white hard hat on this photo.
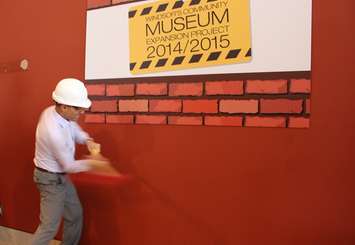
<point>71,91</point>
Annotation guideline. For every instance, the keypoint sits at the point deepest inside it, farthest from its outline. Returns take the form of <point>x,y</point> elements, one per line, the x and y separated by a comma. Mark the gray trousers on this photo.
<point>58,199</point>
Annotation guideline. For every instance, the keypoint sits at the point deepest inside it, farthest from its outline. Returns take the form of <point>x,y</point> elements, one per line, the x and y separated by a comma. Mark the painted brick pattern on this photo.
<point>224,88</point>
<point>266,87</point>
<point>93,4</point>
<point>133,105</point>
<point>120,1</point>
<point>200,106</point>
<point>180,89</point>
<point>104,106</point>
<point>98,3</point>
<point>298,122</point>
<point>185,120</point>
<point>300,86</point>
<point>308,106</point>
<point>224,121</point>
<point>120,119</point>
<point>152,89</point>
<point>120,90</point>
<point>94,118</point>
<point>165,106</point>
<point>96,89</point>
<point>280,106</point>
<point>150,119</point>
<point>239,106</point>
<point>244,103</point>
<point>265,122</point>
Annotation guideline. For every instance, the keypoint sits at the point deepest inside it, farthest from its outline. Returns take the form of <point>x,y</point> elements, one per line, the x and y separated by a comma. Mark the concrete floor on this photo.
<point>14,237</point>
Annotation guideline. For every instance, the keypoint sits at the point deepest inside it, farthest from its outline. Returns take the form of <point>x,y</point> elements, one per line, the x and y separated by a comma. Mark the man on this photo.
<point>56,135</point>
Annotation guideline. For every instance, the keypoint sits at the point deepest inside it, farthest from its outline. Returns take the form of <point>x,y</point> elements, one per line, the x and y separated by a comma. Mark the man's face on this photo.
<point>72,113</point>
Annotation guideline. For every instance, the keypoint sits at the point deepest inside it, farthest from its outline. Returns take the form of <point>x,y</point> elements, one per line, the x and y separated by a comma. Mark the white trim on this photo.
<point>281,41</point>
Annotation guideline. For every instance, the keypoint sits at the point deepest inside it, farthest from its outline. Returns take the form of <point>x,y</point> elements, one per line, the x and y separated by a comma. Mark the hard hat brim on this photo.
<point>83,104</point>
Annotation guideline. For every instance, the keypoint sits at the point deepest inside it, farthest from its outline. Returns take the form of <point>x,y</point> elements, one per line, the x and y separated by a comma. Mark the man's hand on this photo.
<point>98,163</point>
<point>93,147</point>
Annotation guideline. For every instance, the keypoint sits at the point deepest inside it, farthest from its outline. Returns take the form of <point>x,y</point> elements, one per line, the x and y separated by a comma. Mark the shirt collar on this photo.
<point>58,118</point>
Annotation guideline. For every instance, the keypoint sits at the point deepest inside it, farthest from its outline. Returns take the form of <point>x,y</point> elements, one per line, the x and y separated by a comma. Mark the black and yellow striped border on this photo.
<point>195,58</point>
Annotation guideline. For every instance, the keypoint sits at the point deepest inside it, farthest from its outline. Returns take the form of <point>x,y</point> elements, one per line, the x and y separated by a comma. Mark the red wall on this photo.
<point>201,185</point>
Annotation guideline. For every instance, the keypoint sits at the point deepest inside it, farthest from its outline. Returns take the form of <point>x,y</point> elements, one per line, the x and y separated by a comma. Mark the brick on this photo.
<point>133,105</point>
<point>98,3</point>
<point>165,105</point>
<point>266,86</point>
<point>280,106</point>
<point>200,106</point>
<point>94,118</point>
<point>95,89</point>
<point>279,122</point>
<point>300,86</point>
<point>152,89</point>
<point>120,1</point>
<point>104,106</point>
<point>224,88</point>
<point>238,106</point>
<point>181,89</point>
<point>298,122</point>
<point>308,106</point>
<point>120,90</point>
<point>184,120</point>
<point>120,119</point>
<point>150,119</point>
<point>223,121</point>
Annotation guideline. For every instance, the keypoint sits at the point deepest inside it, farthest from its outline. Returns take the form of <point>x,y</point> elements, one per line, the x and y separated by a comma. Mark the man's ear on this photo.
<point>63,107</point>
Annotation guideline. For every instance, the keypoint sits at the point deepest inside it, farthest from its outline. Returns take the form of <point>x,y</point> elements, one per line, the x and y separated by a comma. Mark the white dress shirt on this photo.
<point>55,143</point>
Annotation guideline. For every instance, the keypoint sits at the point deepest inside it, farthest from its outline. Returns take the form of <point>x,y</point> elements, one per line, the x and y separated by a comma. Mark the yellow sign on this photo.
<point>171,35</point>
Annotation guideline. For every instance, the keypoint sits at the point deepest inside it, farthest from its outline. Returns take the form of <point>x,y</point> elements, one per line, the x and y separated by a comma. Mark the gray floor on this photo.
<point>14,237</point>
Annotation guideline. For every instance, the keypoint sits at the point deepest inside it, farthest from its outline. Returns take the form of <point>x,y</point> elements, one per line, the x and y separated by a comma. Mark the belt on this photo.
<point>45,170</point>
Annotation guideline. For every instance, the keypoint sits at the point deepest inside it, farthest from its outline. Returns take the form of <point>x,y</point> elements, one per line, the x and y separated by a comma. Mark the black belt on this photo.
<point>45,170</point>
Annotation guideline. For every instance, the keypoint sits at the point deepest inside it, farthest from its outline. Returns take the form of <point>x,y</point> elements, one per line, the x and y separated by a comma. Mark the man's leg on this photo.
<point>73,216</point>
<point>52,205</point>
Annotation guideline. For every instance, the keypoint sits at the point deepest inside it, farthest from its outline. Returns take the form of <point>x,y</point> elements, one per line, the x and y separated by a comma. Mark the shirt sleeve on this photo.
<point>63,152</point>
<point>80,135</point>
